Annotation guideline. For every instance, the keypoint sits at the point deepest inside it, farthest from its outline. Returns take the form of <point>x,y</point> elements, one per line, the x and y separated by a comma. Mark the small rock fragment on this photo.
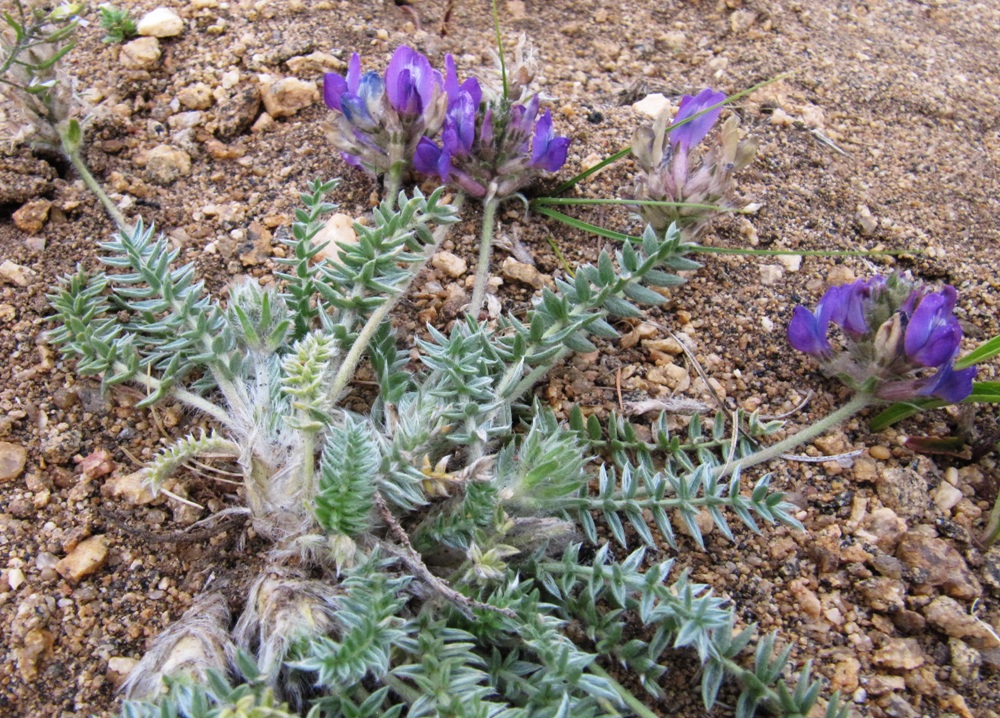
<point>130,487</point>
<point>34,646</point>
<point>511,269</point>
<point>652,105</point>
<point>15,578</point>
<point>944,565</point>
<point>164,164</point>
<point>12,460</point>
<point>196,97</point>
<point>238,112</point>
<point>161,22</point>
<point>15,273</point>
<point>85,559</point>
<point>791,262</point>
<point>771,274</point>
<point>965,662</point>
<point>141,54</point>
<point>845,675</point>
<point>285,97</point>
<point>339,229</point>
<point>451,264</point>
<point>886,527</point>
<point>951,618</point>
<point>96,464</point>
<point>946,496</point>
<point>903,490</point>
<point>118,669</point>
<point>839,275</point>
<point>31,217</point>
<point>867,222</point>
<point>900,654</point>
<point>315,64</point>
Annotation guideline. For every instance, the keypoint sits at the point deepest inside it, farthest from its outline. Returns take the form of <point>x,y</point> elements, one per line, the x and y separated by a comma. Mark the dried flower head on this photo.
<point>893,330</point>
<point>669,170</point>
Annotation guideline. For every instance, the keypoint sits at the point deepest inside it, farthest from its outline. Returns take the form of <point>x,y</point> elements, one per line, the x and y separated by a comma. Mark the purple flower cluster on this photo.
<point>893,330</point>
<point>668,170</point>
<point>485,147</point>
<point>380,120</point>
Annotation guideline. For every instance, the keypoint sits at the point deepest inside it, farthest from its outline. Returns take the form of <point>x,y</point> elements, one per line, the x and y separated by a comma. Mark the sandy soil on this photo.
<point>887,135</point>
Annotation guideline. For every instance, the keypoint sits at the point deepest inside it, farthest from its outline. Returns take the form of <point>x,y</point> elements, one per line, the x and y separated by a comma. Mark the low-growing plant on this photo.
<point>437,553</point>
<point>117,23</point>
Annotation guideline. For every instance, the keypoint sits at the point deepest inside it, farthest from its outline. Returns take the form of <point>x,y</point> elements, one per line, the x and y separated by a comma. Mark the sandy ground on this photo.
<point>885,137</point>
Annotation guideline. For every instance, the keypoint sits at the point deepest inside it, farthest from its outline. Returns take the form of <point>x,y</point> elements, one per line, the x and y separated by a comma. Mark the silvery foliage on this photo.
<point>453,550</point>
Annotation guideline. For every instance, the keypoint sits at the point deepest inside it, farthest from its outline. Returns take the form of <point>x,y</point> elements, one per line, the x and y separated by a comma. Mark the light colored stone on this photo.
<point>15,578</point>
<point>286,96</point>
<point>903,490</point>
<point>118,669</point>
<point>674,40</point>
<point>451,264</point>
<point>339,229</point>
<point>165,163</point>
<point>85,559</point>
<point>839,275</point>
<point>35,645</point>
<point>965,663</point>
<point>771,274</point>
<point>196,97</point>
<point>951,618</point>
<point>944,565</point>
<point>516,271</point>
<point>32,216</point>
<point>652,105</point>
<point>15,274</point>
<point>866,220</point>
<point>12,460</point>
<point>900,654</point>
<point>315,64</point>
<point>140,54</point>
<point>791,262</point>
<point>845,675</point>
<point>887,528</point>
<point>946,496</point>
<point>161,22</point>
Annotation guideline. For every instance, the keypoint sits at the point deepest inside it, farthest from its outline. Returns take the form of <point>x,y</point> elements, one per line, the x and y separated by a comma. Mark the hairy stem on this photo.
<point>857,403</point>
<point>483,265</point>
<point>94,186</point>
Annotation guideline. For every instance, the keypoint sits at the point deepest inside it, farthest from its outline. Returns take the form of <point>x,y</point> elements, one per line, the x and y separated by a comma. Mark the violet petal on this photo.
<point>693,132</point>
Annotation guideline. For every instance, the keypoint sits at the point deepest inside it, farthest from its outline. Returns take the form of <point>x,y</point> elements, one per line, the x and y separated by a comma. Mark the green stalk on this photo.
<point>483,265</point>
<point>858,402</point>
<point>92,184</point>
<point>626,695</point>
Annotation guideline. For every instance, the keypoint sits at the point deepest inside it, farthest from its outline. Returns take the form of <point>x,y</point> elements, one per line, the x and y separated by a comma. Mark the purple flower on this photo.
<point>949,384</point>
<point>893,332</point>
<point>411,83</point>
<point>933,333</point>
<point>688,135</point>
<point>380,120</point>
<point>807,330</point>
<point>548,152</point>
<point>489,149</point>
